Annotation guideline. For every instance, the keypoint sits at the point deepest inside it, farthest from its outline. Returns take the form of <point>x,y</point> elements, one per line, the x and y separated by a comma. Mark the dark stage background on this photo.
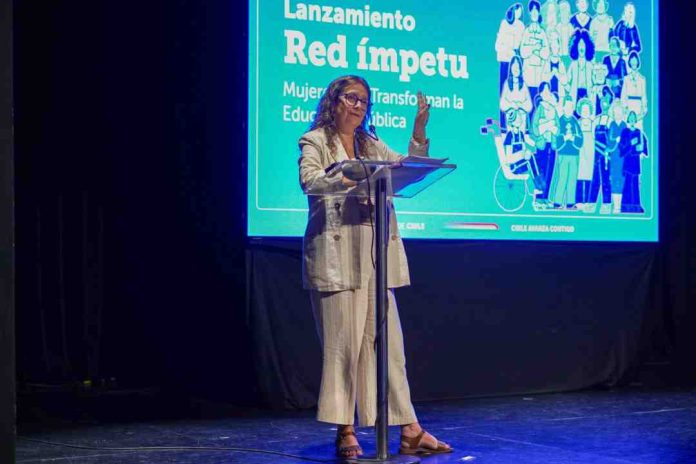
<point>7,310</point>
<point>133,268</point>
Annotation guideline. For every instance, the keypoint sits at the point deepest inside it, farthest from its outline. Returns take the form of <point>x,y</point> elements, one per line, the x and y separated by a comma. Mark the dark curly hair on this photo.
<point>510,13</point>
<point>325,117</point>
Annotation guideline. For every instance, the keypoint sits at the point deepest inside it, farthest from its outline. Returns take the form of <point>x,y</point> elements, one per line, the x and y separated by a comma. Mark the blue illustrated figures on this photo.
<point>573,101</point>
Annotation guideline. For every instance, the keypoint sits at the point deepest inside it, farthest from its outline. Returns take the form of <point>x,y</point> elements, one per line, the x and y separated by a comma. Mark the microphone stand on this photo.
<point>381,237</point>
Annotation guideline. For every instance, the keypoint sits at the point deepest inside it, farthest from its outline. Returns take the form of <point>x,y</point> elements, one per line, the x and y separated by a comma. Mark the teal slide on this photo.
<point>548,108</point>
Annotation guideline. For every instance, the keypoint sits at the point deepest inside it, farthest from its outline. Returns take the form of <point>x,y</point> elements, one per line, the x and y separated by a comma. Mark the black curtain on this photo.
<point>480,318</point>
<point>130,192</point>
<point>7,259</point>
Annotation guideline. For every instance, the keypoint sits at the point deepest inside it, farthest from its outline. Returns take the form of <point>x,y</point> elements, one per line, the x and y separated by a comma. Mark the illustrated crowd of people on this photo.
<point>573,101</point>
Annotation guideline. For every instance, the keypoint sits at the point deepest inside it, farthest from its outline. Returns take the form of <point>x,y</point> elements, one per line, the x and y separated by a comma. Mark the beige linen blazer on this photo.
<point>331,244</point>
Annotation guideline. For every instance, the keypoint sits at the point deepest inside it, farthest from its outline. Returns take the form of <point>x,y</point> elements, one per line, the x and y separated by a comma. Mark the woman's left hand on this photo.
<point>422,117</point>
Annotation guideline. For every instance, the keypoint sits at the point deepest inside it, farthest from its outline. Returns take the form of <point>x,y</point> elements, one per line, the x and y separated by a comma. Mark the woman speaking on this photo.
<point>338,270</point>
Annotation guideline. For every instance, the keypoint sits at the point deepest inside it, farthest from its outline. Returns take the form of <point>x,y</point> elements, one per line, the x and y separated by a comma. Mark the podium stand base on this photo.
<point>391,459</point>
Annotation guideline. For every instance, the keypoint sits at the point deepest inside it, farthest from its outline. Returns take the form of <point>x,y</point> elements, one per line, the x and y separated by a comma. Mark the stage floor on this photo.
<point>622,427</point>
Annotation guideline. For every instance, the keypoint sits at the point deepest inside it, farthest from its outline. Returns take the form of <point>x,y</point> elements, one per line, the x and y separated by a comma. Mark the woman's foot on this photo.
<point>415,440</point>
<point>347,443</point>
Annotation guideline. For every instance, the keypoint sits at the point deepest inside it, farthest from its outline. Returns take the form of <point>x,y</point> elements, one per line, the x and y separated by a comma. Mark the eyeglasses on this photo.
<point>352,99</point>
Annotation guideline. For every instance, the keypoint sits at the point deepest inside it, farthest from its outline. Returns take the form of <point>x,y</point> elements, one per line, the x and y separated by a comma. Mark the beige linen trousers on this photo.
<point>338,271</point>
<point>346,324</point>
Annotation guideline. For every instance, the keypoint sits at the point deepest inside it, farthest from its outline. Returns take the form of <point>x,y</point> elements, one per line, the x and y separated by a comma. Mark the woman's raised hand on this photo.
<point>421,120</point>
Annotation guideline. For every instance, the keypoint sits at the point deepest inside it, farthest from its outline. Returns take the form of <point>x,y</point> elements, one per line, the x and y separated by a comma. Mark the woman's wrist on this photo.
<point>419,139</point>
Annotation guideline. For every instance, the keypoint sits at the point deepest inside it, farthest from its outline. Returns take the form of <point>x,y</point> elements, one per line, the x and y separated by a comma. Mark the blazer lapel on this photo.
<point>341,154</point>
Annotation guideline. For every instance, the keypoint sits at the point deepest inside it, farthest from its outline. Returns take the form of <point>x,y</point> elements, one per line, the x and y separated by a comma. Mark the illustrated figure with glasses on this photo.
<point>519,152</point>
<point>338,270</point>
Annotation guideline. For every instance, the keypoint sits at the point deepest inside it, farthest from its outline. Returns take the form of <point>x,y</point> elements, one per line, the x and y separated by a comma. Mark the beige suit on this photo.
<point>331,256</point>
<point>337,268</point>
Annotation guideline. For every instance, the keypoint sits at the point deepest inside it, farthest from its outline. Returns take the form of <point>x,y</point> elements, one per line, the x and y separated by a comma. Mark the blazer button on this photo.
<point>337,205</point>
<point>337,237</point>
<point>394,237</point>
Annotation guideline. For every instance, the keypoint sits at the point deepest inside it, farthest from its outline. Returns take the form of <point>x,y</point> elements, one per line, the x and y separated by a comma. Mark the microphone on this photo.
<point>371,132</point>
<point>356,150</point>
<point>356,173</point>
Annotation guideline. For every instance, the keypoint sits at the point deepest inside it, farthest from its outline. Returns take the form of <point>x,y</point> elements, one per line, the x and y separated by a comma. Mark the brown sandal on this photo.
<point>414,446</point>
<point>346,451</point>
